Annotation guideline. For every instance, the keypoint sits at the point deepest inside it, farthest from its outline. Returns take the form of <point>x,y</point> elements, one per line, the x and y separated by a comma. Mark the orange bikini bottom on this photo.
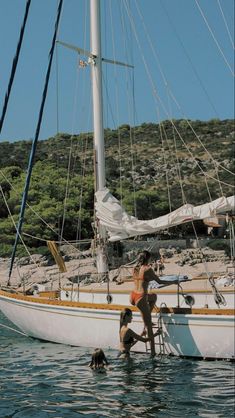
<point>135,297</point>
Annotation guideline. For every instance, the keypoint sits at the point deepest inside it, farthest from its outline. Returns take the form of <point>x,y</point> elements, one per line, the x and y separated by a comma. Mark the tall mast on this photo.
<point>96,78</point>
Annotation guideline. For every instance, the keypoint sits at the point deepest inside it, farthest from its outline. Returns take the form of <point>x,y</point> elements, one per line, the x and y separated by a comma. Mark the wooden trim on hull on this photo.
<point>157,291</point>
<point>57,302</point>
<point>198,311</point>
<point>112,307</point>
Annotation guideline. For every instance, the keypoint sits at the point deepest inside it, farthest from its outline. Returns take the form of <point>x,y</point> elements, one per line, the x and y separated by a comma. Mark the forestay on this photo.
<point>119,225</point>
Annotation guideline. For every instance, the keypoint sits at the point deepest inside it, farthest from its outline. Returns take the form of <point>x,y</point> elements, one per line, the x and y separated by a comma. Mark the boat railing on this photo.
<point>188,299</point>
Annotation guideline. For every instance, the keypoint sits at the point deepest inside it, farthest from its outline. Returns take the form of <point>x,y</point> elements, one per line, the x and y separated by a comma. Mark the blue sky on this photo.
<point>189,65</point>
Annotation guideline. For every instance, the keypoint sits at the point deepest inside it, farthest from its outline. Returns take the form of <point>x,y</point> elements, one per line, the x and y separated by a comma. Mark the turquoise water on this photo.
<point>40,380</point>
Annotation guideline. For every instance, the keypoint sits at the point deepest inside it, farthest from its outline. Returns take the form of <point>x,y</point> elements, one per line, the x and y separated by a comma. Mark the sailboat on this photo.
<point>199,327</point>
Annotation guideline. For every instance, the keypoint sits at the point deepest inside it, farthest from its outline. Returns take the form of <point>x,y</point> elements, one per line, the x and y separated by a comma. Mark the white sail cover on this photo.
<point>119,225</point>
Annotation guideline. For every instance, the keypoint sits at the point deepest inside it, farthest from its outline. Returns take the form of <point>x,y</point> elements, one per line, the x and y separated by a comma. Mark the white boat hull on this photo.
<point>206,336</point>
<point>193,335</point>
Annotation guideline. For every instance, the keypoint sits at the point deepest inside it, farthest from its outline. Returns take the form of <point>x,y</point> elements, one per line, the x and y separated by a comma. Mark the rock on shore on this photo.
<point>81,267</point>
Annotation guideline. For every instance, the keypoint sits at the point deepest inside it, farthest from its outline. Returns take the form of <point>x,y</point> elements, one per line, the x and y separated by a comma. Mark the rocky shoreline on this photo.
<point>81,267</point>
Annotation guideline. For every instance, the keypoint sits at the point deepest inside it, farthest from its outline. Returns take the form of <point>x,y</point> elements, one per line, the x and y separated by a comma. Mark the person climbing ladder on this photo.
<point>142,275</point>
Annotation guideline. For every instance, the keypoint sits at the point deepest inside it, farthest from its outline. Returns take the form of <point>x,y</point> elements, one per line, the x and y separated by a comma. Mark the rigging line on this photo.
<point>117,107</point>
<point>114,124</point>
<point>57,105</point>
<point>13,329</point>
<point>186,146</point>
<point>129,15</point>
<point>83,174</point>
<point>83,93</point>
<point>114,66</point>
<point>167,85</point>
<point>70,159</point>
<point>205,179</point>
<point>232,240</point>
<point>57,242</point>
<point>57,119</point>
<point>66,191</point>
<point>14,65</point>
<point>225,22</point>
<point>133,171</point>
<point>57,89</point>
<point>83,169</point>
<point>149,40</point>
<point>76,154</point>
<point>20,236</point>
<point>214,38</point>
<point>192,156</point>
<point>109,102</point>
<point>85,115</point>
<point>132,136</point>
<point>213,161</point>
<point>34,144</point>
<point>165,81</point>
<point>124,37</point>
<point>208,189</point>
<point>201,252</point>
<point>56,232</point>
<point>178,171</point>
<point>220,185</point>
<point>105,69</point>
<point>133,163</point>
<point>216,164</point>
<point>188,57</point>
<point>129,53</point>
<point>165,162</point>
<point>128,58</point>
<point>66,195</point>
<point>157,97</point>
<point>116,102</point>
<point>130,80</point>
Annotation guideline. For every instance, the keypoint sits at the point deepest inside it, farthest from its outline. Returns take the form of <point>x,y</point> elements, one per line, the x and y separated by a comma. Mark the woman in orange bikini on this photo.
<point>143,274</point>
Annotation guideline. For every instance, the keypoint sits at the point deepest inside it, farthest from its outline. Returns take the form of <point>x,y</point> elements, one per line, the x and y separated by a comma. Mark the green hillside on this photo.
<point>144,166</point>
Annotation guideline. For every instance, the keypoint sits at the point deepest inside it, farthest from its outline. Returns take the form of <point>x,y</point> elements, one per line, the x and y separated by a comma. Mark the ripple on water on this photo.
<point>41,379</point>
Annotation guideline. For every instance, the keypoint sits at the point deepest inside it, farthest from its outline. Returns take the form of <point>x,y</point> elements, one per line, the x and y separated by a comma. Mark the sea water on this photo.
<point>40,379</point>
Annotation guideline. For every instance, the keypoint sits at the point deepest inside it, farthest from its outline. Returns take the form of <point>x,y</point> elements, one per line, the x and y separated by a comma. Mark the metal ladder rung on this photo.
<point>160,342</point>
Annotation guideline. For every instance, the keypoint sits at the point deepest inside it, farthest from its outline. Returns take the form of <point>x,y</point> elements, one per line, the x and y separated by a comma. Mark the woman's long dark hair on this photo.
<point>98,358</point>
<point>143,259</point>
<point>124,313</point>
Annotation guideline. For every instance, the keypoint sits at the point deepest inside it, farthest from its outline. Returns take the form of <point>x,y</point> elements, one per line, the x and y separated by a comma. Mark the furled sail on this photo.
<point>119,225</point>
